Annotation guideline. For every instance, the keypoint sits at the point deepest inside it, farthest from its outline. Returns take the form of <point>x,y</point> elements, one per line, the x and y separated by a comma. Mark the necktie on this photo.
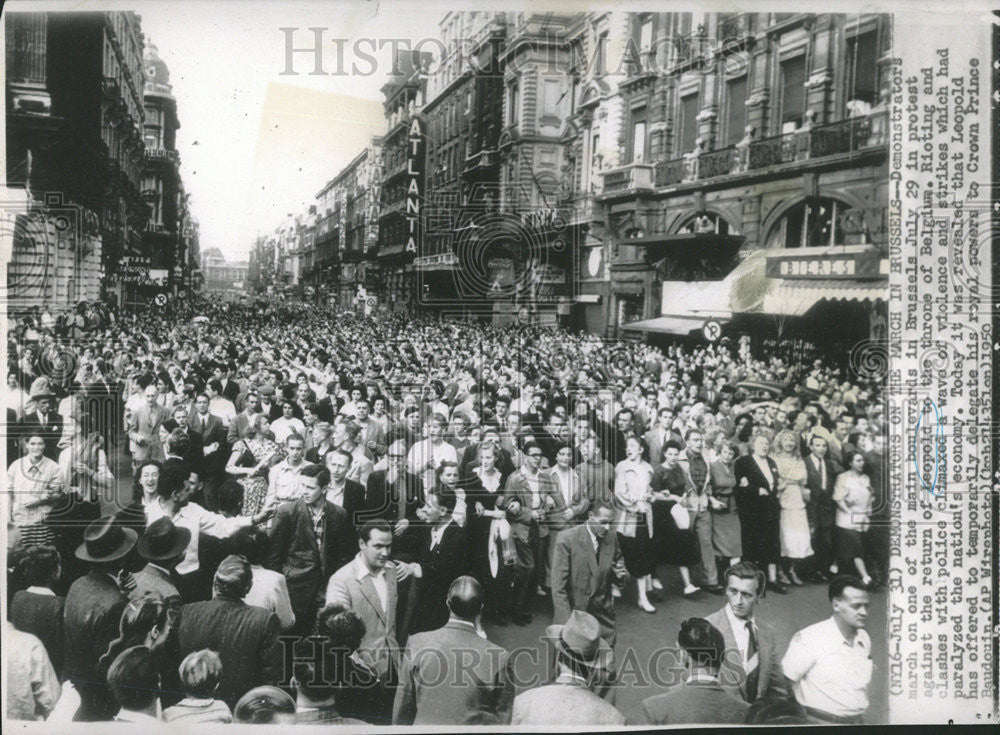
<point>752,668</point>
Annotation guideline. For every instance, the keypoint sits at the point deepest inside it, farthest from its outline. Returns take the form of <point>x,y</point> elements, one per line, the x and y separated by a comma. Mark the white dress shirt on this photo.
<point>741,634</point>
<point>828,672</point>
<point>197,520</point>
<point>378,580</point>
<point>765,468</point>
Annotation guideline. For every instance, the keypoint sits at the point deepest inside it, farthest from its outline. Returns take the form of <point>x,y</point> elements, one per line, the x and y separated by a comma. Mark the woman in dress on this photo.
<point>676,543</point>
<point>635,522</point>
<point>485,485</point>
<point>249,462</point>
<point>793,496</point>
<point>727,539</point>
<point>853,495</point>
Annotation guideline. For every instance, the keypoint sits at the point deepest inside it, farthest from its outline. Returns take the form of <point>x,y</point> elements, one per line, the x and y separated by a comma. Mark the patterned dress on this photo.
<point>254,450</point>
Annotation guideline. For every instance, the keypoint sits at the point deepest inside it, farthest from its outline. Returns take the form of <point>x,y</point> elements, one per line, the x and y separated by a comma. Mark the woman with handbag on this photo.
<point>489,533</point>
<point>673,490</point>
<point>635,522</point>
<point>249,462</point>
<point>727,538</point>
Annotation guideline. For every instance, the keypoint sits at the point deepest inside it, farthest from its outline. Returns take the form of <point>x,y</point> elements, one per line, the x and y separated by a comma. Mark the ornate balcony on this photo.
<point>631,177</point>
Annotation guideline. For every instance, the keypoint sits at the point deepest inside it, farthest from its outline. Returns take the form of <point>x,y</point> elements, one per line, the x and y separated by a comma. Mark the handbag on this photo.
<point>680,515</point>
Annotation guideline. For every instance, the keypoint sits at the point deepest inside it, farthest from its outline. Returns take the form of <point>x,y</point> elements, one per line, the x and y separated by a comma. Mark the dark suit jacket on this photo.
<point>749,501</point>
<point>732,677</point>
<point>231,390</point>
<point>42,616</point>
<point>51,432</point>
<point>326,409</point>
<point>245,637</point>
<point>581,579</point>
<point>295,553</point>
<point>382,500</point>
<point>354,502</point>
<point>211,431</point>
<point>91,617</point>
<point>692,703</point>
<point>822,509</point>
<point>440,567</point>
<point>438,686</point>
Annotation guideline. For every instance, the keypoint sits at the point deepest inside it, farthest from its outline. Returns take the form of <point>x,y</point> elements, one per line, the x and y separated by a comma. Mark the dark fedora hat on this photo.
<point>163,540</point>
<point>104,541</point>
<point>580,639</point>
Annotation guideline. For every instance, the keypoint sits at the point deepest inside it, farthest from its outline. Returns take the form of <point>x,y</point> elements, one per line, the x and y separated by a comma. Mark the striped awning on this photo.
<point>795,298</point>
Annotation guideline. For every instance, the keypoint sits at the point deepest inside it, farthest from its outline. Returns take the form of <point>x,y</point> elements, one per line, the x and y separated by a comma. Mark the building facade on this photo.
<point>462,120</point>
<point>754,181</point>
<point>402,195</point>
<point>222,276</point>
<point>163,241</point>
<point>75,150</point>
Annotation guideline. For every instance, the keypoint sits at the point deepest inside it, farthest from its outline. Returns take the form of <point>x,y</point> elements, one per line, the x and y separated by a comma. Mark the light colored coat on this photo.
<point>379,644</point>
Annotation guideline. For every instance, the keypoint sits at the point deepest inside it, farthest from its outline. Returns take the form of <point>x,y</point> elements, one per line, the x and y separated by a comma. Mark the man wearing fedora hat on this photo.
<point>582,657</point>
<point>92,613</point>
<point>163,546</point>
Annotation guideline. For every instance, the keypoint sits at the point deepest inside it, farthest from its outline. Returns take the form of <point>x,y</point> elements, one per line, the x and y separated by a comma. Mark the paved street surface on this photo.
<point>640,634</point>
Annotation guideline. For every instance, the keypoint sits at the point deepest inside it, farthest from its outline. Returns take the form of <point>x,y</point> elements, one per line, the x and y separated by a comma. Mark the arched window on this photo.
<point>814,222</point>
<point>705,223</point>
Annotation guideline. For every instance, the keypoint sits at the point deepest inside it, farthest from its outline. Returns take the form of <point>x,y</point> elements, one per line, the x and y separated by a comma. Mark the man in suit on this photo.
<point>759,508</point>
<point>443,555</point>
<point>37,609</point>
<point>821,476</point>
<point>366,585</point>
<point>243,426</point>
<point>372,436</point>
<point>144,428</point>
<point>660,435</point>
<point>527,512</point>
<point>92,614</point>
<point>582,658</point>
<point>437,684</point>
<point>395,496</point>
<point>348,494</point>
<point>244,636</point>
<point>209,427</point>
<point>750,668</point>
<point>701,699</point>
<point>310,538</point>
<point>44,422</point>
<point>587,562</point>
<point>163,545</point>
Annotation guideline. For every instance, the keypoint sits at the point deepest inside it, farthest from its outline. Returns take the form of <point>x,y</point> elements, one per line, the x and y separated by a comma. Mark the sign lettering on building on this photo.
<point>414,173</point>
<point>803,265</point>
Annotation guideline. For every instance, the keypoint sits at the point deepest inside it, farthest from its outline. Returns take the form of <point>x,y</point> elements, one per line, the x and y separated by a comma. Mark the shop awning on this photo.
<point>680,325</point>
<point>795,298</point>
<point>390,250</point>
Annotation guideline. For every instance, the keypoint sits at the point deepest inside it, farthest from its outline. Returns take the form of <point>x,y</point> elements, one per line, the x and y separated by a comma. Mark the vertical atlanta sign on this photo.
<point>414,183</point>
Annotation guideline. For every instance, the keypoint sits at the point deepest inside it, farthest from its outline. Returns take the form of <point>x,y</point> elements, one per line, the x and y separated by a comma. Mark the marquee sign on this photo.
<point>827,265</point>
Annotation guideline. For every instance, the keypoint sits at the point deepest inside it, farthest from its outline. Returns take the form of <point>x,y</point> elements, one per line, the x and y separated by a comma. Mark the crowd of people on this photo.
<point>382,488</point>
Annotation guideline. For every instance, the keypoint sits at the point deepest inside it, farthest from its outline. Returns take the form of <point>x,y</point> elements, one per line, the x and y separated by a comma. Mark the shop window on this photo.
<point>815,222</point>
<point>645,33</point>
